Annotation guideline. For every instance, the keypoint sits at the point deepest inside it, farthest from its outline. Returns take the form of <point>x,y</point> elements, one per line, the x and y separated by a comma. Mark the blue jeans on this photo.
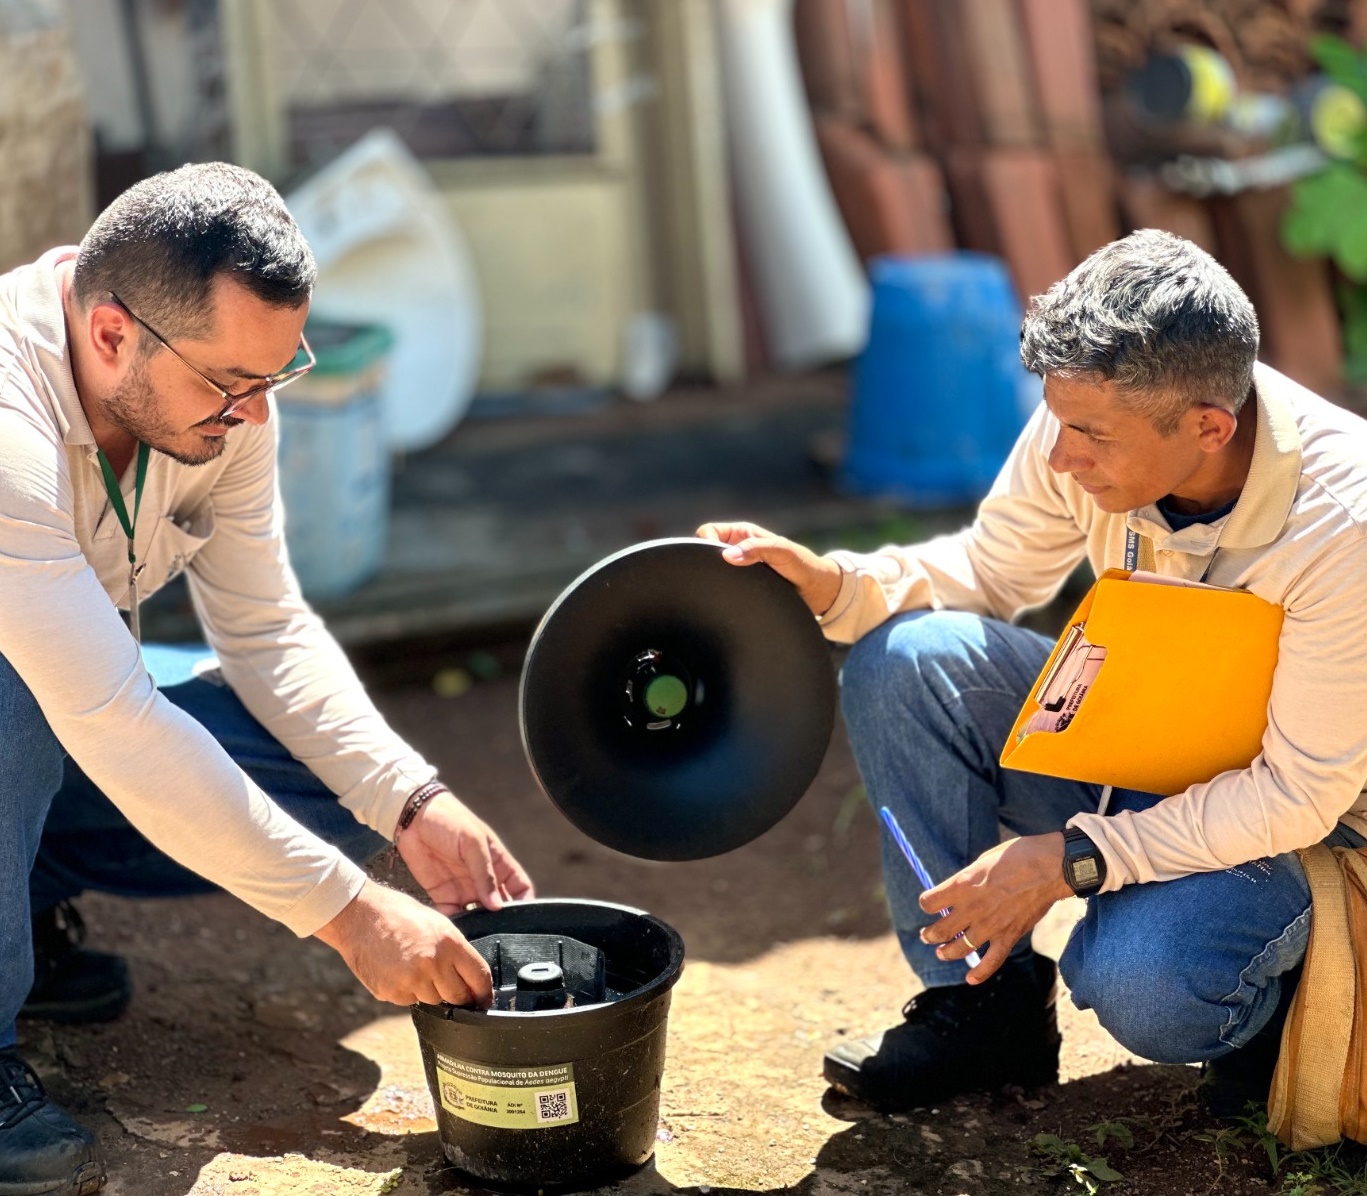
<point>1178,972</point>
<point>60,836</point>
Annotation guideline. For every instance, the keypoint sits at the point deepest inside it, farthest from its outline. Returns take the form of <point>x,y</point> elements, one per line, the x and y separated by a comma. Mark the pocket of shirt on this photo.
<point>173,546</point>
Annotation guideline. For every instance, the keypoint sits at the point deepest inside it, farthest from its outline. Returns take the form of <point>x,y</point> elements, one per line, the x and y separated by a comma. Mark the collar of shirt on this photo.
<point>40,301</point>
<point>1268,493</point>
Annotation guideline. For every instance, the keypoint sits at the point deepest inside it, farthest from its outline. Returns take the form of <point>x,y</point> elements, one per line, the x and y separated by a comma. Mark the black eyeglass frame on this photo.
<point>231,402</point>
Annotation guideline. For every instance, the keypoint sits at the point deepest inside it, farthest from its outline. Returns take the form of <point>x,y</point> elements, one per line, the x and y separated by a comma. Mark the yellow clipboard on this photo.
<point>1181,696</point>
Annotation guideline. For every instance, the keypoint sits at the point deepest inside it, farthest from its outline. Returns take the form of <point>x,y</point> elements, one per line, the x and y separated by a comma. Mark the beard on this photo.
<point>135,408</point>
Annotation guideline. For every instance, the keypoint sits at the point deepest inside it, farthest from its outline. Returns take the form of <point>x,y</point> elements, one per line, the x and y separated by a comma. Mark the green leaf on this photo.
<point>196,1108</point>
<point>1323,207</point>
<point>1303,235</point>
<point>1357,147</point>
<point>1308,226</point>
<point>1352,246</point>
<point>1113,1130</point>
<point>1103,1170</point>
<point>1341,62</point>
<point>1353,303</point>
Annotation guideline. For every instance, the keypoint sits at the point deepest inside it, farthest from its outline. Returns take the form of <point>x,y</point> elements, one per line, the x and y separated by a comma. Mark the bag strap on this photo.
<point>1303,1106</point>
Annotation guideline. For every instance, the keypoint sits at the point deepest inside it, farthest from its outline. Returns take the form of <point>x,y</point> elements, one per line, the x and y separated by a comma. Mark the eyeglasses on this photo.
<point>232,402</point>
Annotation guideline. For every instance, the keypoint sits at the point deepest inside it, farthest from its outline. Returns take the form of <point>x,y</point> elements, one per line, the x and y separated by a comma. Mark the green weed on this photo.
<point>1339,1170</point>
<point>1068,1159</point>
<point>1117,1130</point>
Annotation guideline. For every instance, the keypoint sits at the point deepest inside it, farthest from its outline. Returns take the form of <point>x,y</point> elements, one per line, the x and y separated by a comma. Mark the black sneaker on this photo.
<point>71,984</point>
<point>42,1151</point>
<point>1243,1077</point>
<point>958,1039</point>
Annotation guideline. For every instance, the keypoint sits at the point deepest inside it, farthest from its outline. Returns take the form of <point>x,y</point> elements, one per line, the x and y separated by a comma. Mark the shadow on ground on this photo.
<point>252,1064</point>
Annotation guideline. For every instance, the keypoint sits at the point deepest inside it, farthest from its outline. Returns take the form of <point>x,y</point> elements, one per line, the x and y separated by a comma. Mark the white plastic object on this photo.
<point>650,351</point>
<point>812,292</point>
<point>390,252</point>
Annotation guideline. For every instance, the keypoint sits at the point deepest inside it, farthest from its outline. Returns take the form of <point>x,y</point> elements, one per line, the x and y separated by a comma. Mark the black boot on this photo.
<point>71,984</point>
<point>42,1151</point>
<point>1242,1077</point>
<point>958,1039</point>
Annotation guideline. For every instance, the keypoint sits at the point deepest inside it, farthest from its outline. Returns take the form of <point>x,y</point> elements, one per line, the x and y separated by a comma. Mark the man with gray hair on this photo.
<point>136,443</point>
<point>1161,440</point>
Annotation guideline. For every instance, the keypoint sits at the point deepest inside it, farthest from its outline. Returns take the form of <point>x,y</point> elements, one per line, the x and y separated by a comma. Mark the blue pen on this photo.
<point>973,959</point>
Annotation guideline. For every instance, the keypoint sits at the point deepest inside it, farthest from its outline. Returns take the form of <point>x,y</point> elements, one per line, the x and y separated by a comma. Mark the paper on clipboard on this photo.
<point>1157,579</point>
<point>1063,687</point>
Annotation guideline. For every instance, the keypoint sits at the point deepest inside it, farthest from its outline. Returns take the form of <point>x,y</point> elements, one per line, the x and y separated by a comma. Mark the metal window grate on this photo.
<point>208,135</point>
<point>455,78</point>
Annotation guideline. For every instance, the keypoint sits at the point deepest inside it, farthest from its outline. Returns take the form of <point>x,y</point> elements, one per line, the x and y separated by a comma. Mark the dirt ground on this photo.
<point>252,1063</point>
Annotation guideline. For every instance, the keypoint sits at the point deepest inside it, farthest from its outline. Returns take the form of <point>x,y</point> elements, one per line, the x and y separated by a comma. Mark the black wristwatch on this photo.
<point>1084,867</point>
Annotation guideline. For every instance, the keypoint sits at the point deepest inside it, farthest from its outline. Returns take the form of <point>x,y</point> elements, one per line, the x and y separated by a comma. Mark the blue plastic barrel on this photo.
<point>939,394</point>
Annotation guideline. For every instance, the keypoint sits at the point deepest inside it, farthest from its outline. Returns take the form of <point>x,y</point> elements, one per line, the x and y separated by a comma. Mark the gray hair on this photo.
<point>1157,316</point>
<point>163,243</point>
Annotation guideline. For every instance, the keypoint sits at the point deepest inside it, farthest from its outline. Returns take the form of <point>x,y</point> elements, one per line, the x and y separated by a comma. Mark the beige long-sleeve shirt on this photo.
<point>1297,536</point>
<point>63,573</point>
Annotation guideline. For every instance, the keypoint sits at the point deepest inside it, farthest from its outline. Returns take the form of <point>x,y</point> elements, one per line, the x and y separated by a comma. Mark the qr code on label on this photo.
<point>553,1106</point>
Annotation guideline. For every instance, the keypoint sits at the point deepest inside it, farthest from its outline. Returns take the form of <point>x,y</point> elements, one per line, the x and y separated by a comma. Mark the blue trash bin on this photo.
<point>939,393</point>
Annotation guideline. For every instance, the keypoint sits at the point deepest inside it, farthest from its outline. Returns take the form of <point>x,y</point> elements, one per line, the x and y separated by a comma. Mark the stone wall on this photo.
<point>46,187</point>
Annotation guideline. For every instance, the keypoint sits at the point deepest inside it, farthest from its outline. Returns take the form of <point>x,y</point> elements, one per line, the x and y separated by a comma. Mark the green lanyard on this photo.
<point>111,485</point>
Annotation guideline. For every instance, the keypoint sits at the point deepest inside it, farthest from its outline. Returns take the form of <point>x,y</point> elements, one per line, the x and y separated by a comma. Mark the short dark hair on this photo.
<point>1154,314</point>
<point>162,244</point>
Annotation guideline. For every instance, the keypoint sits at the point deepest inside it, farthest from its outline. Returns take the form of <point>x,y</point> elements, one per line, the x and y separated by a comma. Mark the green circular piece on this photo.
<point>1338,119</point>
<point>666,695</point>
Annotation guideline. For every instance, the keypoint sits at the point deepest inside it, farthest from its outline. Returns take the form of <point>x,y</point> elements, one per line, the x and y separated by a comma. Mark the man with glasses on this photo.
<point>136,374</point>
<point>234,400</point>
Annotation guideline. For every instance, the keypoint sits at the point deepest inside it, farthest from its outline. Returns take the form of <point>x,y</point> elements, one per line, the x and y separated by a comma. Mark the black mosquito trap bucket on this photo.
<point>557,1085</point>
<point>673,707</point>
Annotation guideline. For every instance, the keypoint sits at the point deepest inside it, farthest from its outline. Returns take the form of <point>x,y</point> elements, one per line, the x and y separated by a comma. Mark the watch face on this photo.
<point>1085,872</point>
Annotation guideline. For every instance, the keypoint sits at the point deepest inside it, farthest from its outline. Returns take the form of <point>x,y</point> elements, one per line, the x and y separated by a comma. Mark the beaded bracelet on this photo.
<point>419,798</point>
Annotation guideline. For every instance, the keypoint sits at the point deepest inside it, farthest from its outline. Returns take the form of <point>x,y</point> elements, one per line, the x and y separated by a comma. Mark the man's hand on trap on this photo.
<point>404,951</point>
<point>816,578</point>
<point>458,860</point>
<point>996,900</point>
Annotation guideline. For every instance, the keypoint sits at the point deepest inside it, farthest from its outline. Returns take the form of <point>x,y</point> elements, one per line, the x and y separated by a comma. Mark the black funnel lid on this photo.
<point>674,706</point>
